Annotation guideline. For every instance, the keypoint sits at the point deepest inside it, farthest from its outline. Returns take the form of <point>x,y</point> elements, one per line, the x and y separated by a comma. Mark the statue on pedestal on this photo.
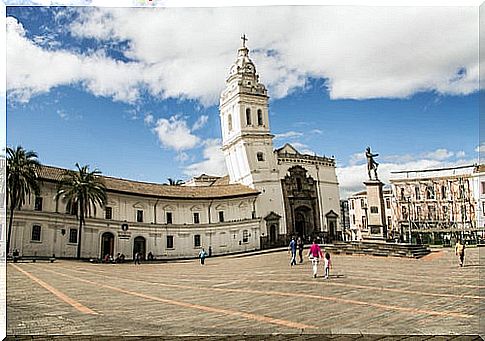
<point>371,163</point>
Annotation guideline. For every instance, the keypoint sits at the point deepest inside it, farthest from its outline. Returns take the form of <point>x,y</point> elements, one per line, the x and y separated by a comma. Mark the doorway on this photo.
<point>139,245</point>
<point>107,244</point>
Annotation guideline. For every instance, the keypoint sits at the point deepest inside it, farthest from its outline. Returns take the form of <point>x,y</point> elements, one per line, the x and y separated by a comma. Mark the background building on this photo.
<point>438,205</point>
<point>358,215</point>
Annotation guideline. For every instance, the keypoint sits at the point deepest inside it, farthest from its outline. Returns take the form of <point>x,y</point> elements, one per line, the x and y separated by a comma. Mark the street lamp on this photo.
<point>408,200</point>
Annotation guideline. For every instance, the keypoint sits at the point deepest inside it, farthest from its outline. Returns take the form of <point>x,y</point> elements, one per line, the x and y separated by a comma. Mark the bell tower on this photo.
<point>247,142</point>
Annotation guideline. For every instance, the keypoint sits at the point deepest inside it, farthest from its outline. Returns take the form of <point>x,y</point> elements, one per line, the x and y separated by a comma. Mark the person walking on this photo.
<point>137,258</point>
<point>315,253</point>
<point>292,248</point>
<point>326,265</point>
<point>460,251</point>
<point>202,255</point>
<point>299,245</point>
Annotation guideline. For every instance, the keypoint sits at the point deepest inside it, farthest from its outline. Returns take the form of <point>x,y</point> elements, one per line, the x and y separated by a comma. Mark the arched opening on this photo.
<point>107,244</point>
<point>272,233</point>
<point>248,116</point>
<point>303,221</point>
<point>139,245</point>
<point>260,117</point>
<point>229,122</point>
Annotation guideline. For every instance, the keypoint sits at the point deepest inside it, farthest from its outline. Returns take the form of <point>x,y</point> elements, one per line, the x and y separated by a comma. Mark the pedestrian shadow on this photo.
<point>474,265</point>
<point>337,276</point>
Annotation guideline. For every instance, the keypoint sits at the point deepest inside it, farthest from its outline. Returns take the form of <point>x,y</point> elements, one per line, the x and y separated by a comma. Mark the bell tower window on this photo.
<point>248,116</point>
<point>260,117</point>
<point>229,122</point>
<point>260,156</point>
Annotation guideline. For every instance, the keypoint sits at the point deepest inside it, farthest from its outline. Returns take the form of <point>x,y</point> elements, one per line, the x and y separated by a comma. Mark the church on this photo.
<point>268,196</point>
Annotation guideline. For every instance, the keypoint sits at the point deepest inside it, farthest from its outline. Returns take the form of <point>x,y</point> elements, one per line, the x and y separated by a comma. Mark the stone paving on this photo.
<point>250,296</point>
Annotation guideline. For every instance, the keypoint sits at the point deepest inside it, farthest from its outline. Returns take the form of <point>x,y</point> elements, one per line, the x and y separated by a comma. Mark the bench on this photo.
<point>16,259</point>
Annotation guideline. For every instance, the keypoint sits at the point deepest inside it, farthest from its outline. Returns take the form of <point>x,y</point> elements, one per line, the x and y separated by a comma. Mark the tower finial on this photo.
<point>243,38</point>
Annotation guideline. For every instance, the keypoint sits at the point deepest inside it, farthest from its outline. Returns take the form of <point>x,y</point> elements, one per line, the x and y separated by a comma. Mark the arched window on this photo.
<point>229,122</point>
<point>260,156</point>
<point>260,117</point>
<point>248,116</point>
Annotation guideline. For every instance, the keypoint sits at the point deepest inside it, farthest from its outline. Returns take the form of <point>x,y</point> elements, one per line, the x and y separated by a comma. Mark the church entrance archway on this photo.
<point>139,245</point>
<point>303,221</point>
<point>332,233</point>
<point>107,244</point>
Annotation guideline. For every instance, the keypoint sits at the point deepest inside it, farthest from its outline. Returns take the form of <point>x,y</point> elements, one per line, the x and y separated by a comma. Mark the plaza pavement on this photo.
<point>250,296</point>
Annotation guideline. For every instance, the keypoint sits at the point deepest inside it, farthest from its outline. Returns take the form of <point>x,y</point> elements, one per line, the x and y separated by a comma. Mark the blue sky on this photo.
<point>134,92</point>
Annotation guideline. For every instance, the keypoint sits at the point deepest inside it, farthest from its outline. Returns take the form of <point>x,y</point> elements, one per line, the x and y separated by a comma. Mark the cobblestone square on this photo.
<point>250,295</point>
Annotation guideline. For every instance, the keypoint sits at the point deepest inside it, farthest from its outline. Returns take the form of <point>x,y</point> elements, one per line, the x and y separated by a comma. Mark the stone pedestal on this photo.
<point>376,214</point>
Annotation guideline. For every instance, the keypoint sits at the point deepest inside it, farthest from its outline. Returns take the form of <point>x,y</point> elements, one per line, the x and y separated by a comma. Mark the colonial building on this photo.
<point>268,196</point>
<point>436,205</point>
<point>358,213</point>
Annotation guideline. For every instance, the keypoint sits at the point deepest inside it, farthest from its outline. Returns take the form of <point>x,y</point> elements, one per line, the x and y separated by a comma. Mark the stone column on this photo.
<point>376,214</point>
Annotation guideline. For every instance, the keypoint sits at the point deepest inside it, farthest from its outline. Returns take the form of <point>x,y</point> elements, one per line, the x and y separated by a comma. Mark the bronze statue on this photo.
<point>371,163</point>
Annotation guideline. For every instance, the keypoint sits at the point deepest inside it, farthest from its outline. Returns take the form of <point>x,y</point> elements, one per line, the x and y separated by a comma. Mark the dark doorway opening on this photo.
<point>107,244</point>
<point>139,245</point>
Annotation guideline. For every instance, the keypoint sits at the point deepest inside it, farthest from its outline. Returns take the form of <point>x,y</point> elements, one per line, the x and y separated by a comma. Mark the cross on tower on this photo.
<point>243,38</point>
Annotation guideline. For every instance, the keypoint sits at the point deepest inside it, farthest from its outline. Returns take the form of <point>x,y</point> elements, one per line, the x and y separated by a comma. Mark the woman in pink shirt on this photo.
<point>315,254</point>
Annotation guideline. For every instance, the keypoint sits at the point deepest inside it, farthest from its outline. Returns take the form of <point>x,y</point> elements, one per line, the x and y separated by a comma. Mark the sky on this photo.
<point>134,92</point>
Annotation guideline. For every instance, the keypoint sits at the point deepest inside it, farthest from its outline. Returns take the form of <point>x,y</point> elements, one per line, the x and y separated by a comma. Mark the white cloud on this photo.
<point>288,134</point>
<point>480,148</point>
<point>439,154</point>
<point>214,162</point>
<point>149,119</point>
<point>200,123</point>
<point>460,154</point>
<point>175,134</point>
<point>363,52</point>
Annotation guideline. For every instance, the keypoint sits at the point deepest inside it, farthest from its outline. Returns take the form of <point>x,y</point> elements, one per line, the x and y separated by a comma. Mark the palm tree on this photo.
<point>22,180</point>
<point>172,182</point>
<point>82,190</point>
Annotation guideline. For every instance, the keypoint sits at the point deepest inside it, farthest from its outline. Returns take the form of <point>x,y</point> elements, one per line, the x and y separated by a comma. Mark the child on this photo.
<point>326,265</point>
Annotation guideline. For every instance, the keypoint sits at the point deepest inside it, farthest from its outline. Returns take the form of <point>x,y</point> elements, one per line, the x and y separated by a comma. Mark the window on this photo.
<point>260,117</point>
<point>445,212</point>
<point>353,219</point>
<point>431,212</point>
<point>483,188</point>
<point>388,203</point>
<point>221,216</point>
<point>402,194</point>
<point>364,222</point>
<point>404,211</point>
<point>462,191</point>
<point>169,217</point>
<point>298,184</point>
<point>260,156</point>
<point>229,122</point>
<point>197,240</point>
<point>389,222</point>
<point>73,236</point>
<point>245,236</point>
<point>374,209</point>
<point>196,218</point>
<point>352,204</point>
<point>248,116</point>
<point>253,215</point>
<point>443,192</point>
<point>36,232</point>
<point>38,204</point>
<point>416,191</point>
<point>430,192</point>
<point>139,216</point>
<point>108,213</point>
<point>169,242</point>
<point>418,212</point>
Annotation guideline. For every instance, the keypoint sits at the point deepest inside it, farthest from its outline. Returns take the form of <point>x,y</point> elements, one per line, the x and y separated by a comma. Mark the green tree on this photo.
<point>82,190</point>
<point>22,180</point>
<point>173,182</point>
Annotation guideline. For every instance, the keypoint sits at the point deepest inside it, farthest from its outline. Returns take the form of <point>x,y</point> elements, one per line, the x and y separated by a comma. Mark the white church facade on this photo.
<point>268,196</point>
